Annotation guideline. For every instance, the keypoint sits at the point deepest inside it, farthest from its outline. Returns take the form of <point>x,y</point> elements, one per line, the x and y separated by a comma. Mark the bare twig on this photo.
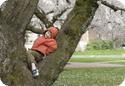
<point>55,18</point>
<point>42,16</point>
<point>114,7</point>
<point>50,12</point>
<point>68,1</point>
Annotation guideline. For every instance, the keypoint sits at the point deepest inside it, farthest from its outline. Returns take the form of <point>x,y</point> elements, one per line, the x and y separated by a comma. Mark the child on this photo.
<point>42,46</point>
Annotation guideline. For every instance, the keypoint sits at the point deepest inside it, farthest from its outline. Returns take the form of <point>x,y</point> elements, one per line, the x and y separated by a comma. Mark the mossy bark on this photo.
<point>13,21</point>
<point>68,38</point>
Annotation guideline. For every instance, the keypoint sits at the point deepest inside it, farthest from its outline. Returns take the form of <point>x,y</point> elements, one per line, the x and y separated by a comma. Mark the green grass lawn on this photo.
<point>94,59</point>
<point>91,77</point>
<point>102,52</point>
<point>119,62</point>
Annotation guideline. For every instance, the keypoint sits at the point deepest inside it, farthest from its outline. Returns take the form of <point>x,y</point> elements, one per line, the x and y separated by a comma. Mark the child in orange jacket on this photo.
<point>42,46</point>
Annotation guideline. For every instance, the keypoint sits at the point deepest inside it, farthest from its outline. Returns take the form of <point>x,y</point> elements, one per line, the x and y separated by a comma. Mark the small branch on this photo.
<point>57,2</point>
<point>68,1</point>
<point>115,8</point>
<point>50,12</point>
<point>34,30</point>
<point>42,17</point>
<point>55,18</point>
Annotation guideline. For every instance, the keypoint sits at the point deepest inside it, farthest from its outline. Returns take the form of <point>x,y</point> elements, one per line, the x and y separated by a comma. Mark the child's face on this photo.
<point>47,34</point>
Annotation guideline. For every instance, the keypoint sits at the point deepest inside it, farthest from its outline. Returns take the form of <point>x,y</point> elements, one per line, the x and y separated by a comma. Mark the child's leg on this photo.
<point>31,58</point>
<point>34,56</point>
<point>32,63</point>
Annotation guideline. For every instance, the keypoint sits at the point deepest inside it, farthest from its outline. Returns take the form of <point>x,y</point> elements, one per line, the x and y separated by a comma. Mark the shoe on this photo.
<point>35,72</point>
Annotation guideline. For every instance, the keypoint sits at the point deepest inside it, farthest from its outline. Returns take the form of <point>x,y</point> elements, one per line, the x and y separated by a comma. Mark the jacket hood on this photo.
<point>54,31</point>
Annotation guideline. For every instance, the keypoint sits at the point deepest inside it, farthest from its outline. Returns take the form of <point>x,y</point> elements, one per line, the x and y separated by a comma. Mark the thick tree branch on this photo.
<point>114,7</point>
<point>13,69</point>
<point>35,30</point>
<point>71,32</point>
<point>13,12</point>
<point>13,21</point>
<point>42,17</point>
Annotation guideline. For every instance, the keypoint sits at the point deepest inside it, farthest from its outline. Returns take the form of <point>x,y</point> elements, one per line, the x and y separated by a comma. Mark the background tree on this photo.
<point>14,21</point>
<point>108,25</point>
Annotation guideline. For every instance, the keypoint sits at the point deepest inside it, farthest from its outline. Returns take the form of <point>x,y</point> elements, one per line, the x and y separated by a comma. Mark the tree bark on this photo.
<point>13,21</point>
<point>68,38</point>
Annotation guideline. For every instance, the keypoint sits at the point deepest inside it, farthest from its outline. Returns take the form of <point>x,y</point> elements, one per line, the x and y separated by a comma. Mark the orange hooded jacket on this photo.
<point>46,45</point>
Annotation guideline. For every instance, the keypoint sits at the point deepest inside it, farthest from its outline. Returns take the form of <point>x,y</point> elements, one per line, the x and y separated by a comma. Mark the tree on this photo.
<point>108,24</point>
<point>15,19</point>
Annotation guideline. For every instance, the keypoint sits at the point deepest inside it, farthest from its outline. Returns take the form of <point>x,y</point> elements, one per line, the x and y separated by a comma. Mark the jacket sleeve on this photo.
<point>38,42</point>
<point>51,44</point>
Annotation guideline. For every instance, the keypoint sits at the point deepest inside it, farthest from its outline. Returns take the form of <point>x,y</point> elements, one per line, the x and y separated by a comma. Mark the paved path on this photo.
<point>91,65</point>
<point>99,56</point>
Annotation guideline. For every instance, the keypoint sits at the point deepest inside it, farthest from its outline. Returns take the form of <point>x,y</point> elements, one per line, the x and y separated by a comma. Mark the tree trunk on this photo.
<point>68,38</point>
<point>13,21</point>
